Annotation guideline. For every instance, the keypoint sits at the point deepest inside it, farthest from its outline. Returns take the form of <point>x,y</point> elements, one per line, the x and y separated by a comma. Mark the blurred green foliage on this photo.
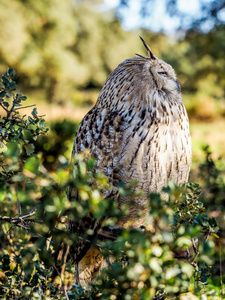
<point>153,263</point>
<point>56,143</point>
<point>212,179</point>
<point>61,47</point>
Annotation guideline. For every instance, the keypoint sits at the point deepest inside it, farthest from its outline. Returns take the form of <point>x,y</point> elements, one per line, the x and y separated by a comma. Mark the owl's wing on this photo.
<point>100,132</point>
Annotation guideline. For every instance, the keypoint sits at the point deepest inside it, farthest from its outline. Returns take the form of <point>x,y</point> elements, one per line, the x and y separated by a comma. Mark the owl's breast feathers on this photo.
<point>134,134</point>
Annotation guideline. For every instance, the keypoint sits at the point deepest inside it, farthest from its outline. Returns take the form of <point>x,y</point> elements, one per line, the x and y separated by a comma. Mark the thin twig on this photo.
<point>25,106</point>
<point>62,282</point>
<point>21,221</point>
<point>18,204</point>
<point>65,259</point>
<point>4,108</point>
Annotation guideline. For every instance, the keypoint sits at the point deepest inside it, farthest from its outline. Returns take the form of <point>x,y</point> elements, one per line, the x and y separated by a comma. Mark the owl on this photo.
<point>137,130</point>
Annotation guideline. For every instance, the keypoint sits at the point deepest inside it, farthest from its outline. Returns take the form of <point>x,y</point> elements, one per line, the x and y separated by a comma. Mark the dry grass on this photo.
<point>67,111</point>
<point>212,134</point>
<point>56,111</point>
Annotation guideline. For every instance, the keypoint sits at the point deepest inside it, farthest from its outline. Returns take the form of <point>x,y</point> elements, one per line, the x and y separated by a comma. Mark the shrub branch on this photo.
<point>21,221</point>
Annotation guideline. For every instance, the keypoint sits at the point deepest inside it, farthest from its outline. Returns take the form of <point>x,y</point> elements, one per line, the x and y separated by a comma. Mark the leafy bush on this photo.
<point>56,143</point>
<point>211,175</point>
<point>163,260</point>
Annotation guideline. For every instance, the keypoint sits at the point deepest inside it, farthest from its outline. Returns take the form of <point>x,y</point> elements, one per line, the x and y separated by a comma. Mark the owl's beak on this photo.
<point>151,55</point>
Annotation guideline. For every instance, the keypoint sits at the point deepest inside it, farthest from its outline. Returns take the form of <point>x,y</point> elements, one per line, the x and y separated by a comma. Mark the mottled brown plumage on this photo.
<point>138,129</point>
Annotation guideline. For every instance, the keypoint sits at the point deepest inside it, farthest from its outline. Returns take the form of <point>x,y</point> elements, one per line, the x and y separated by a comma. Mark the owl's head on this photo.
<point>137,77</point>
<point>158,73</point>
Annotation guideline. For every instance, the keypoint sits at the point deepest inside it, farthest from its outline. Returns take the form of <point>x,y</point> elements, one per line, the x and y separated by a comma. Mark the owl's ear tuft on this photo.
<point>145,57</point>
<point>150,53</point>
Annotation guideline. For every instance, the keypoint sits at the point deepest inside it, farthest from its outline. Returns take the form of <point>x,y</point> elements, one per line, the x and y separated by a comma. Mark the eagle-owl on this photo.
<point>138,129</point>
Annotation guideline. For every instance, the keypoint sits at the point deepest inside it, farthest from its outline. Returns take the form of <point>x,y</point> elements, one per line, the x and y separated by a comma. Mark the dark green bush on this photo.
<point>57,142</point>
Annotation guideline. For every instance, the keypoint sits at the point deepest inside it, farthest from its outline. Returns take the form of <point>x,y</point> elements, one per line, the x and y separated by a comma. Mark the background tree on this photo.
<point>210,13</point>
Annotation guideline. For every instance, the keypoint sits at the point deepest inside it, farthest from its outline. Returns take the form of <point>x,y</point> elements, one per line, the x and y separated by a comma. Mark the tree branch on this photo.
<point>21,221</point>
<point>25,106</point>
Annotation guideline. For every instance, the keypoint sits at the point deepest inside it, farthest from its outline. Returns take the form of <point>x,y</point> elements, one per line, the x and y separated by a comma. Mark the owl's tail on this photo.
<point>90,266</point>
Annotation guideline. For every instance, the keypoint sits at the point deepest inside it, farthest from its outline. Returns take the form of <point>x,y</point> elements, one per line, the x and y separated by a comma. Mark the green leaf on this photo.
<point>13,86</point>
<point>5,80</point>
<point>15,76</point>
<point>3,131</point>
<point>34,112</point>
<point>6,104</point>
<point>18,177</point>
<point>13,149</point>
<point>10,72</point>
<point>31,120</point>
<point>21,97</point>
<point>40,276</point>
<point>29,149</point>
<point>42,124</point>
<point>215,235</point>
<point>16,103</point>
<point>32,164</point>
